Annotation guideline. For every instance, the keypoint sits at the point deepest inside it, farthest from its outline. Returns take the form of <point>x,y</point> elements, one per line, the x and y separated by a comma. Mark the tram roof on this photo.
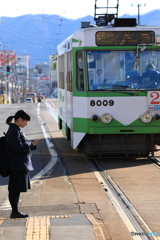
<point>85,37</point>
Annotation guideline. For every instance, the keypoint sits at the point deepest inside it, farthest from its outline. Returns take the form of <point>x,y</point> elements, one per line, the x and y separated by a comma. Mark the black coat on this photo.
<point>19,149</point>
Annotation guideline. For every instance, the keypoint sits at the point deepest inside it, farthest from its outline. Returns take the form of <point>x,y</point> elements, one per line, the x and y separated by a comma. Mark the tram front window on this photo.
<point>120,70</point>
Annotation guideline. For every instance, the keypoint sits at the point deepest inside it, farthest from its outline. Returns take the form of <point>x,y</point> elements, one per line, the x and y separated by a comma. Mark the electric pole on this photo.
<point>138,5</point>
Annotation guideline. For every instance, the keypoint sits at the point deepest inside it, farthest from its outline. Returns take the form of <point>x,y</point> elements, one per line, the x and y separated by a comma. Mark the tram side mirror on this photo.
<point>143,48</point>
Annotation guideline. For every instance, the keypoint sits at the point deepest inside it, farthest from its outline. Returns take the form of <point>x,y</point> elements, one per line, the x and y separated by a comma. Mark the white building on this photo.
<point>53,72</point>
<point>22,73</point>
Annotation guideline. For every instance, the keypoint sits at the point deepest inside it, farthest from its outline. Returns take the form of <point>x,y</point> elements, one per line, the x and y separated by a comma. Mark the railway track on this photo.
<point>155,160</point>
<point>134,222</point>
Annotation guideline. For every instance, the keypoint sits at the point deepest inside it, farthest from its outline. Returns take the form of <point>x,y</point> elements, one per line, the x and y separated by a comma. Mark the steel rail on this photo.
<point>128,213</point>
<point>155,161</point>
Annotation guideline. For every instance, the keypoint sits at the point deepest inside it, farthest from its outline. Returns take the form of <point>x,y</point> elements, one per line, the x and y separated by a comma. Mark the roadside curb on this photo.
<point>97,228</point>
<point>2,220</point>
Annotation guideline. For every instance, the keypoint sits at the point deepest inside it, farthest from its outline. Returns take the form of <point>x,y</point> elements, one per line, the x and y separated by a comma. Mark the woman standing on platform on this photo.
<point>19,152</point>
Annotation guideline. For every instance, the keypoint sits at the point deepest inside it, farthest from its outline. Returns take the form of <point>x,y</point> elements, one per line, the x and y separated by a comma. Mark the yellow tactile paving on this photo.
<point>97,228</point>
<point>37,228</point>
<point>61,216</point>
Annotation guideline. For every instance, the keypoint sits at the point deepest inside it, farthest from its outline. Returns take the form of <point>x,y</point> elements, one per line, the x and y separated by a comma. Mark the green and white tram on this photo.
<point>109,88</point>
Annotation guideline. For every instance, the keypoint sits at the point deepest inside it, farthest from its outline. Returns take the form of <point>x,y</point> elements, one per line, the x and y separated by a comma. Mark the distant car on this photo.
<point>55,93</point>
<point>29,100</point>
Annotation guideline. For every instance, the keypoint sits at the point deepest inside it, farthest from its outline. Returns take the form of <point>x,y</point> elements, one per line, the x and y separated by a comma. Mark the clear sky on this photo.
<point>73,9</point>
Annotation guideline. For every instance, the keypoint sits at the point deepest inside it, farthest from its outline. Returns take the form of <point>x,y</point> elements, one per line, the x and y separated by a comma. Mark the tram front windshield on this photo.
<point>122,70</point>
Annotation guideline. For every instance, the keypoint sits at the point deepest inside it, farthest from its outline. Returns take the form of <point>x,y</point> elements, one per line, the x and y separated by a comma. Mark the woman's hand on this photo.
<point>35,142</point>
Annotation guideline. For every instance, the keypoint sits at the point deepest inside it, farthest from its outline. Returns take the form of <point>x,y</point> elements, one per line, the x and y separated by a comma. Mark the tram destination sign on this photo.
<point>124,38</point>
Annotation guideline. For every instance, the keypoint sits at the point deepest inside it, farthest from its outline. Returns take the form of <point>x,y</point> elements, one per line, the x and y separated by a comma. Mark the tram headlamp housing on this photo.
<point>146,117</point>
<point>156,117</point>
<point>106,118</point>
<point>95,118</point>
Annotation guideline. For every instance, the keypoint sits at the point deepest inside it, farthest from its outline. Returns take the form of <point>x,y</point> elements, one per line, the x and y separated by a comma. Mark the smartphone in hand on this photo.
<point>35,142</point>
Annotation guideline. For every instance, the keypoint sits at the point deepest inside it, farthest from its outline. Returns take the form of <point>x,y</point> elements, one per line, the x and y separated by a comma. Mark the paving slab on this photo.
<point>57,227</point>
<point>75,227</point>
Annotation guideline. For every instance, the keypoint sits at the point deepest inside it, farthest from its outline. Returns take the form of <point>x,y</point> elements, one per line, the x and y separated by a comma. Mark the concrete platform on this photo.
<point>58,227</point>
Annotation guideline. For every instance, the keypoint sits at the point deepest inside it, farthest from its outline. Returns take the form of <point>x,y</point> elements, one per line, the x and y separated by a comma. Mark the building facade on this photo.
<point>53,73</point>
<point>22,74</point>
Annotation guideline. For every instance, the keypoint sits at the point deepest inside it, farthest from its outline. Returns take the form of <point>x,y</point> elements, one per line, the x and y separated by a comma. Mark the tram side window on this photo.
<point>61,71</point>
<point>80,72</point>
<point>69,72</point>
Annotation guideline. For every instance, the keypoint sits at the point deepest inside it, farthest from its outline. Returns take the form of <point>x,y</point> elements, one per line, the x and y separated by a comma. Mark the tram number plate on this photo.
<point>154,101</point>
<point>101,103</point>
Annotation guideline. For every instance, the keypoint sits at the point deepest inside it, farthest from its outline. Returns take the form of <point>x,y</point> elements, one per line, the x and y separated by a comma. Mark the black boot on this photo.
<point>14,199</point>
<point>18,215</point>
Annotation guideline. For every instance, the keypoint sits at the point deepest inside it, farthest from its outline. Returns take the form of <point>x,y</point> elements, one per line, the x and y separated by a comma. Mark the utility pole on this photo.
<point>138,5</point>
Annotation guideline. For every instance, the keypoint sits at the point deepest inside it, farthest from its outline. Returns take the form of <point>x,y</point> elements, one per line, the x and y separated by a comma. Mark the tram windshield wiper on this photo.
<point>126,92</point>
<point>112,87</point>
<point>121,86</point>
<point>101,89</point>
<point>125,88</point>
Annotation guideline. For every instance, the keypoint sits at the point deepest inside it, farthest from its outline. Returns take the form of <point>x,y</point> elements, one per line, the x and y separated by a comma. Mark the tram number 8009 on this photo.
<point>100,103</point>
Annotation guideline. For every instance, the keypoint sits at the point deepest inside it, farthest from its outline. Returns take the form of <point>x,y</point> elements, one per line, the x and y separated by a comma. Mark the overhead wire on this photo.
<point>17,40</point>
<point>17,30</point>
<point>23,37</point>
<point>3,24</point>
<point>18,35</point>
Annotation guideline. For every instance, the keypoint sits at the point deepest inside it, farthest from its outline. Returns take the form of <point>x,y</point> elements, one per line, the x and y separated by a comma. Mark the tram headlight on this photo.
<point>106,118</point>
<point>146,117</point>
<point>156,117</point>
<point>95,118</point>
